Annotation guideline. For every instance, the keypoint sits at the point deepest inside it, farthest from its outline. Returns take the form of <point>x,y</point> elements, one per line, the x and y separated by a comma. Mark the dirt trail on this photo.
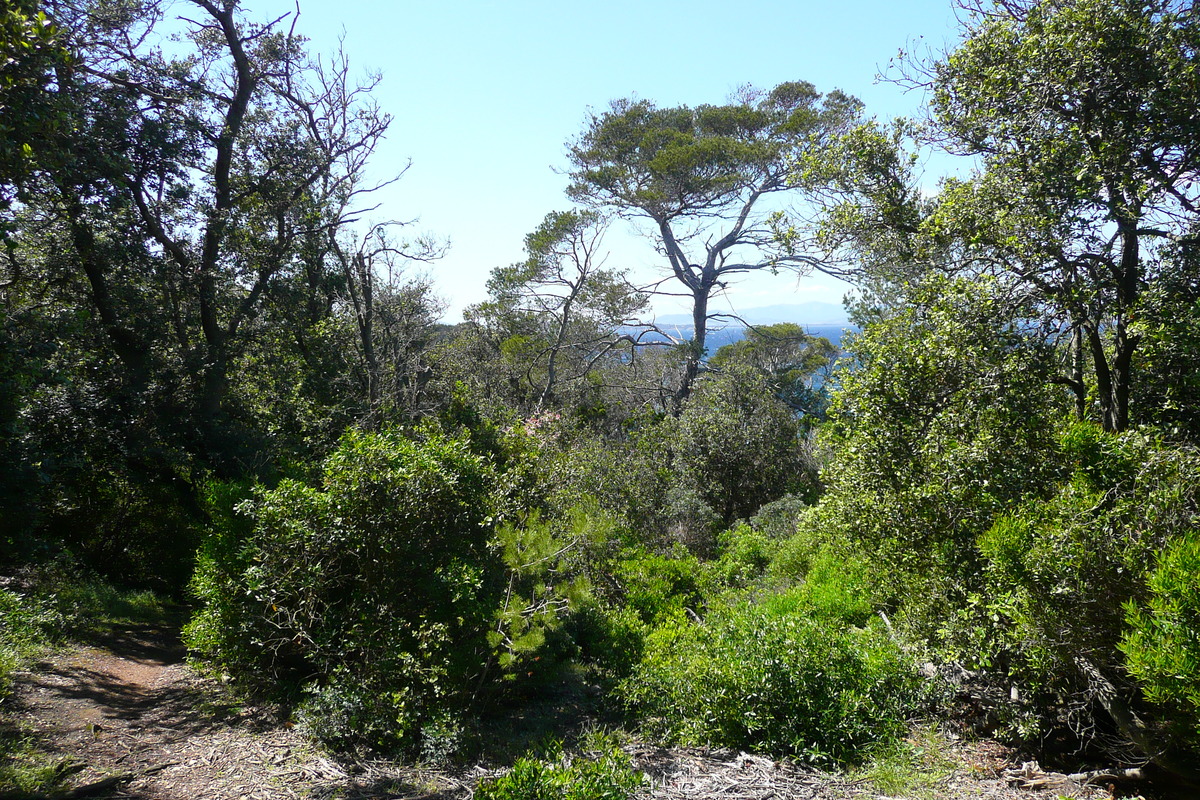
<point>126,705</point>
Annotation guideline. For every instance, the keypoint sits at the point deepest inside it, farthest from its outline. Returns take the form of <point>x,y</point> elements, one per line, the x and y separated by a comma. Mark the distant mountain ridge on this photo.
<point>811,313</point>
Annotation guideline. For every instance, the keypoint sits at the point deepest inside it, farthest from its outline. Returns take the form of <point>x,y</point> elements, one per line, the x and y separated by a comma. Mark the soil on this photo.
<point>125,708</point>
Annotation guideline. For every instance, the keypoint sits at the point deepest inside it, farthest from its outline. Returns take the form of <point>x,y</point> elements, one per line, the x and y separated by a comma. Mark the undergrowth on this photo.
<point>601,771</point>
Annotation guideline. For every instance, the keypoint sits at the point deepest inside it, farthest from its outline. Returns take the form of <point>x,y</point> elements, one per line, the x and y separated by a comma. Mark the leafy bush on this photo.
<point>744,556</point>
<point>387,598</point>
<point>220,627</point>
<point>1162,643</point>
<point>380,584</point>
<point>1091,594</point>
<point>786,685</point>
<point>602,774</point>
<point>659,586</point>
<point>836,588</point>
<point>945,421</point>
<point>737,446</point>
<point>611,638</point>
<point>777,519</point>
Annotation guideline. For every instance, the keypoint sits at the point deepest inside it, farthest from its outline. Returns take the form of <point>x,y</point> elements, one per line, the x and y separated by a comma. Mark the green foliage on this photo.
<point>744,556</point>
<point>388,596</point>
<point>541,588</point>
<point>836,584</point>
<point>1081,113</point>
<point>795,364</point>
<point>626,476</point>
<point>1162,641</point>
<point>381,583</point>
<point>777,519</point>
<point>603,772</point>
<point>736,446</point>
<point>611,638</point>
<point>781,684</point>
<point>1167,362</point>
<point>945,420</point>
<point>31,46</point>
<point>659,587</point>
<point>1101,579</point>
<point>27,626</point>
<point>219,625</point>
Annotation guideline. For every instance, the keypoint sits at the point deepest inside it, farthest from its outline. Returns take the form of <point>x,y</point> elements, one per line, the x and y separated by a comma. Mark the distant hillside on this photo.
<point>804,314</point>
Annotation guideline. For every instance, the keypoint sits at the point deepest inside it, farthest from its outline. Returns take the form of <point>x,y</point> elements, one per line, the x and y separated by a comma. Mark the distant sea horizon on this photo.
<point>722,335</point>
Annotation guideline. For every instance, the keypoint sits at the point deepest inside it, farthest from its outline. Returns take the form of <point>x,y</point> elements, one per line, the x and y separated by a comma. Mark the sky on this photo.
<point>485,96</point>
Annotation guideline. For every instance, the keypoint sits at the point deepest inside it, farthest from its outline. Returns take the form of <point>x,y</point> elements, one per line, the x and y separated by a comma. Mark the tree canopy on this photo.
<point>702,177</point>
<point>1084,117</point>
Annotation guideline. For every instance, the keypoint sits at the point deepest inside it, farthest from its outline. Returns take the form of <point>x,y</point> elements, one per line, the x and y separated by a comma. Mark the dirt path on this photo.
<point>126,705</point>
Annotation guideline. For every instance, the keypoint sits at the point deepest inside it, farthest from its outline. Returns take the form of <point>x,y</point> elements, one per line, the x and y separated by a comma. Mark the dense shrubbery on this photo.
<point>1094,590</point>
<point>920,466</point>
<point>386,595</point>
<point>1053,556</point>
<point>1162,641</point>
<point>776,683</point>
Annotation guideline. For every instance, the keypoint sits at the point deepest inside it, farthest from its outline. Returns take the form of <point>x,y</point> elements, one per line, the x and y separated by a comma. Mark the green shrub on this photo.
<point>542,585</point>
<point>785,685</point>
<point>611,638</point>
<point>373,594</point>
<point>604,774</point>
<point>744,556</point>
<point>660,586</point>
<point>777,519</point>
<point>1098,585</point>
<point>220,627</point>
<point>387,599</point>
<point>737,446</point>
<point>825,575</point>
<point>1162,643</point>
<point>835,588</point>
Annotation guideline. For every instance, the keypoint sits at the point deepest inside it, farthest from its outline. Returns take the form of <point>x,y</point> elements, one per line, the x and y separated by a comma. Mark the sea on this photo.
<point>720,336</point>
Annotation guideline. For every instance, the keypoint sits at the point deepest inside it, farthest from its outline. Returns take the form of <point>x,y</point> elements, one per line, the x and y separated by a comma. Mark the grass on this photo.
<point>912,767</point>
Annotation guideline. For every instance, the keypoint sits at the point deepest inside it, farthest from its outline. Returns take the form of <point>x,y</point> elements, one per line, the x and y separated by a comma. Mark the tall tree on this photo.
<point>194,184</point>
<point>1083,114</point>
<point>563,303</point>
<point>393,318</point>
<point>30,48</point>
<point>703,178</point>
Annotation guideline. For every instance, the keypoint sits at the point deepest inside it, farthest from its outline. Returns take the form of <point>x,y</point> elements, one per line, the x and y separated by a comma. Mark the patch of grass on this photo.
<point>26,769</point>
<point>98,604</point>
<point>28,627</point>
<point>87,602</point>
<point>911,767</point>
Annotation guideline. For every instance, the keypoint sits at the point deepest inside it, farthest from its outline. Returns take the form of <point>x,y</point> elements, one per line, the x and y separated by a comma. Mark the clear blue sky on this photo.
<point>486,94</point>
